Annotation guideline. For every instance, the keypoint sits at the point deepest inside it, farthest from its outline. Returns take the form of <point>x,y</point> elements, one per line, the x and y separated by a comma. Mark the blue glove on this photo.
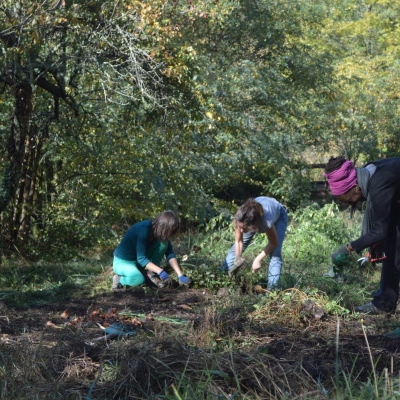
<point>184,279</point>
<point>163,275</point>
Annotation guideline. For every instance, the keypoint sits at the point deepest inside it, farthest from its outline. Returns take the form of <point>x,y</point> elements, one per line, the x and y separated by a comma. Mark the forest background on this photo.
<point>112,111</point>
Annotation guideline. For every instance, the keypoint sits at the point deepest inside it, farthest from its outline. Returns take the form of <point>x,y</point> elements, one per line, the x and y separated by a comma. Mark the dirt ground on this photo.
<point>309,342</point>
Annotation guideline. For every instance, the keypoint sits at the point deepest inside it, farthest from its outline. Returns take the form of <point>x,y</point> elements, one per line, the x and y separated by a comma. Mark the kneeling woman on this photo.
<point>143,248</point>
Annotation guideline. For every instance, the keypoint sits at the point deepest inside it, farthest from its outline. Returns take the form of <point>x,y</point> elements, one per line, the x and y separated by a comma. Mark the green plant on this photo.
<point>210,277</point>
<point>315,232</point>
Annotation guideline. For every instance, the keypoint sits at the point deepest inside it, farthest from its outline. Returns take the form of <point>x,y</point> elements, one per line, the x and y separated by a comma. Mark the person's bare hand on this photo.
<point>256,265</point>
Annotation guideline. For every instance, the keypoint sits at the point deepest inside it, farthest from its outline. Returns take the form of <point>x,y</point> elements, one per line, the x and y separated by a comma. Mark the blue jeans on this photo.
<point>275,263</point>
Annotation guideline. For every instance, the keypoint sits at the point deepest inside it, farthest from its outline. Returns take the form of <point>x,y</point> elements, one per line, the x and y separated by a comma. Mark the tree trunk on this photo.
<point>18,148</point>
<point>31,163</point>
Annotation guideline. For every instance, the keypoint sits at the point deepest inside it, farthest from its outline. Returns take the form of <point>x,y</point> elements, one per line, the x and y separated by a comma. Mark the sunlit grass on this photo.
<point>221,356</point>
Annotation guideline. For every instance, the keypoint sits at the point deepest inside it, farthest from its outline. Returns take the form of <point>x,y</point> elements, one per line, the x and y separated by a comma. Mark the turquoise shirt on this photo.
<point>134,244</point>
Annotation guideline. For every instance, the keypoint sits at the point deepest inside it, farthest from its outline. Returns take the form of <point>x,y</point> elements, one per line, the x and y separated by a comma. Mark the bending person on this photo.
<point>259,215</point>
<point>378,183</point>
<point>143,247</point>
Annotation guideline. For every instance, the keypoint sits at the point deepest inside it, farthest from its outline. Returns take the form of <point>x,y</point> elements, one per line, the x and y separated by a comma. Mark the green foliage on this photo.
<point>172,106</point>
<point>363,42</point>
<point>315,232</point>
<point>236,335</point>
<point>211,278</point>
<point>291,186</point>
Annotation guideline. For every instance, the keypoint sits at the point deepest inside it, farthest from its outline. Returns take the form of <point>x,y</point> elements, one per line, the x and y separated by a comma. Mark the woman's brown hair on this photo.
<point>164,226</point>
<point>250,214</point>
<point>334,163</point>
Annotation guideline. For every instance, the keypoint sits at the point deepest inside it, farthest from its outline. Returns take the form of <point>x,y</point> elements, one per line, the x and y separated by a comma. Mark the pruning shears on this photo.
<point>374,255</point>
<point>370,259</point>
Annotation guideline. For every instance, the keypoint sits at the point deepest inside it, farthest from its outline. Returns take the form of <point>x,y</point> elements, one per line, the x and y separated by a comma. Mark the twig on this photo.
<point>372,362</point>
<point>337,356</point>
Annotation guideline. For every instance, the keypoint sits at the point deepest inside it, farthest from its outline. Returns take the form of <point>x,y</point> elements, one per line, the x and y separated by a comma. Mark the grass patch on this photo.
<point>23,286</point>
<point>222,339</point>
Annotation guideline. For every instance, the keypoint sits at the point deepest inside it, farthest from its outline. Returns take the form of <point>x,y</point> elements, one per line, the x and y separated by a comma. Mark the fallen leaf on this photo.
<point>259,289</point>
<point>52,325</point>
<point>136,322</point>
<point>64,314</point>
<point>184,306</point>
<point>74,321</point>
<point>149,317</point>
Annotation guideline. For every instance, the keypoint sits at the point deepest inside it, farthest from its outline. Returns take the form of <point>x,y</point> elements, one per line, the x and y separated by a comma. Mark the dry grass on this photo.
<point>200,360</point>
<point>205,359</point>
<point>146,370</point>
<point>233,345</point>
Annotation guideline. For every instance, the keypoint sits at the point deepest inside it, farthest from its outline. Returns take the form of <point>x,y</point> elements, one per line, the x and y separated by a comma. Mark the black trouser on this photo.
<point>387,295</point>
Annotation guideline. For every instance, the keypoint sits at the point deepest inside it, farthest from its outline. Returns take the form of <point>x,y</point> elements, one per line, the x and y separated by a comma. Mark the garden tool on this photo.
<point>368,258</point>
<point>374,255</point>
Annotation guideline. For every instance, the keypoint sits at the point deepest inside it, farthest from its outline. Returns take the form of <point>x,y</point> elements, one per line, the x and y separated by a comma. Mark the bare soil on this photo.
<point>184,320</point>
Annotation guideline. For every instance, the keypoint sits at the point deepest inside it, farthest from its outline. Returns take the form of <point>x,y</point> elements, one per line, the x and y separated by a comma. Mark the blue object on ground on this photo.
<point>120,329</point>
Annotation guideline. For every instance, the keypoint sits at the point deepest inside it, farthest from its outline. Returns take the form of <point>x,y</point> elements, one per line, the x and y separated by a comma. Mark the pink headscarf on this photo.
<point>343,179</point>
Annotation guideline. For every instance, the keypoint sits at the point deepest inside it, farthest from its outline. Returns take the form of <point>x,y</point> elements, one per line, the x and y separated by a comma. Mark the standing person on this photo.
<point>262,215</point>
<point>143,247</point>
<point>378,182</point>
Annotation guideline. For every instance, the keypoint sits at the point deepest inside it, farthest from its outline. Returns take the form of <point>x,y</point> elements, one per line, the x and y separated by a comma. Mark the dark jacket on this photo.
<point>384,198</point>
